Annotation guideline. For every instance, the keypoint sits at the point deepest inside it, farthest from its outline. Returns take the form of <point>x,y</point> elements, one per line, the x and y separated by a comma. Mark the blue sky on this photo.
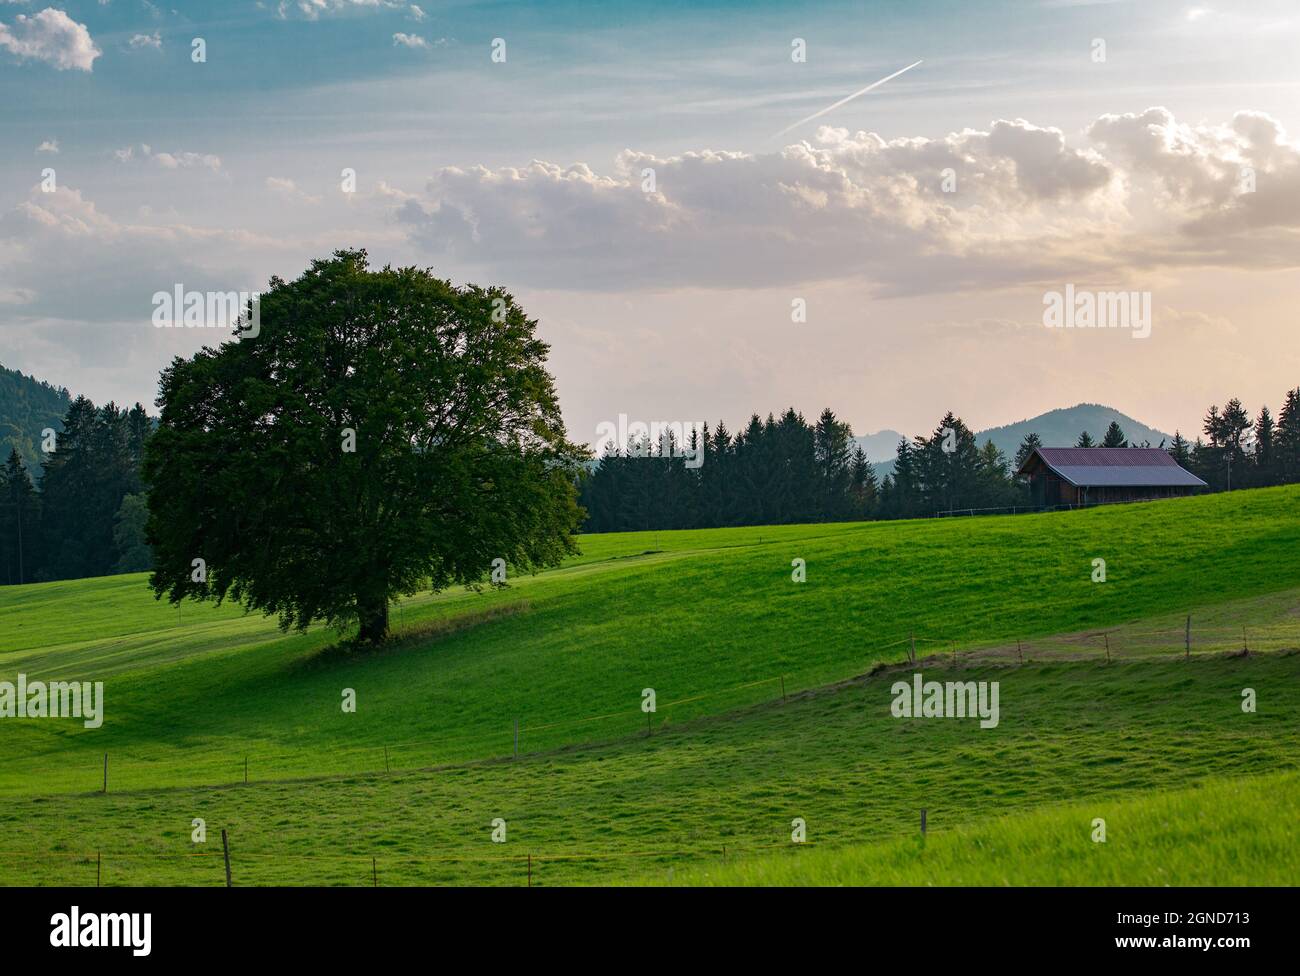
<point>676,305</point>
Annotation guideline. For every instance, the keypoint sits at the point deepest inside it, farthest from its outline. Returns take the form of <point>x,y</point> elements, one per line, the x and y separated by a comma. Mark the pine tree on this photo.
<point>1114,436</point>
<point>715,480</point>
<point>1180,451</point>
<point>1027,447</point>
<point>1262,456</point>
<point>900,494</point>
<point>1234,423</point>
<point>1286,439</point>
<point>1085,440</point>
<point>1212,425</point>
<point>949,467</point>
<point>863,481</point>
<point>20,521</point>
<point>836,490</point>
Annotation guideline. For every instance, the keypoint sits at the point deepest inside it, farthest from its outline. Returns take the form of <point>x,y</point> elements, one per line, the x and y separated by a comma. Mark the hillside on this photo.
<point>1152,839</point>
<point>704,792</point>
<point>880,446</point>
<point>28,406</point>
<point>751,728</point>
<point>1061,428</point>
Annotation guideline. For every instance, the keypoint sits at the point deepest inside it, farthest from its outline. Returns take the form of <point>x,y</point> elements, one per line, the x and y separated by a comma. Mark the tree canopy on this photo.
<point>384,432</point>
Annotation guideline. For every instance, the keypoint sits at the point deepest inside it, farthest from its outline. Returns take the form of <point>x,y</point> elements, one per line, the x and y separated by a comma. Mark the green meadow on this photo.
<point>1151,839</point>
<point>767,710</point>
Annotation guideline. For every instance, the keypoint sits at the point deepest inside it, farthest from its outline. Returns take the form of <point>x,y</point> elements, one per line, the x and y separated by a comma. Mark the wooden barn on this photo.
<point>1094,475</point>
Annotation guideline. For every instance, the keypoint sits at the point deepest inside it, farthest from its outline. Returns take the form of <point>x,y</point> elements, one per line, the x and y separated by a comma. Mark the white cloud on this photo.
<point>51,239</point>
<point>1027,206</point>
<point>416,13</point>
<point>153,40</point>
<point>49,146</point>
<point>313,9</point>
<point>53,37</point>
<point>170,160</point>
<point>289,190</point>
<point>851,205</point>
<point>409,40</point>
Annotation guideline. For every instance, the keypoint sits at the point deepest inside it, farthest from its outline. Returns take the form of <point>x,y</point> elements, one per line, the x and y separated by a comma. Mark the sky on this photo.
<point>616,166</point>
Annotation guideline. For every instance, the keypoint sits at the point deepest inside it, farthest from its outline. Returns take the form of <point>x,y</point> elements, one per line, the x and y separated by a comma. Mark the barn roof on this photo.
<point>1115,467</point>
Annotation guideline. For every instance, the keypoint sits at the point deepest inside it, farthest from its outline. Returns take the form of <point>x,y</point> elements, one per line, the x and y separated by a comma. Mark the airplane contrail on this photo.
<point>846,98</point>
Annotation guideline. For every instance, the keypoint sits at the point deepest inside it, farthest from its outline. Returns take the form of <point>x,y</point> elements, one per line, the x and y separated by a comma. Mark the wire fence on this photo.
<point>1032,509</point>
<point>1116,644</point>
<point>231,866</point>
<point>128,770</point>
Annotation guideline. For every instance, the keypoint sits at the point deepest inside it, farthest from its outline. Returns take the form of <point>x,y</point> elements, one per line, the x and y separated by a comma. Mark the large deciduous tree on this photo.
<point>383,432</point>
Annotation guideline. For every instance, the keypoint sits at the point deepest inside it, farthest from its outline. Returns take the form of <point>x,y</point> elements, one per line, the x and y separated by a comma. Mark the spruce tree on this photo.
<point>1027,447</point>
<point>1286,439</point>
<point>1262,455</point>
<point>20,521</point>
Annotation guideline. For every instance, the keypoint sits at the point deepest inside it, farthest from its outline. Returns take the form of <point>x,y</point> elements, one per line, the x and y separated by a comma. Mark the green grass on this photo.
<point>711,620</point>
<point>1153,839</point>
<point>611,812</point>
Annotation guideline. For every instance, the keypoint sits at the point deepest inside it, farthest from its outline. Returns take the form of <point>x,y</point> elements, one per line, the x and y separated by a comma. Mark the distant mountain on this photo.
<point>880,446</point>
<point>1056,428</point>
<point>1061,428</point>
<point>28,406</point>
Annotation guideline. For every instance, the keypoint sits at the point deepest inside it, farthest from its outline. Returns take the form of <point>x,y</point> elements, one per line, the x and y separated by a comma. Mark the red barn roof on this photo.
<point>1114,467</point>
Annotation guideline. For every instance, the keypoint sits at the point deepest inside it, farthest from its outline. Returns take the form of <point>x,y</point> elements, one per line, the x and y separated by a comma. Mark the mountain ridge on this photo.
<point>1059,427</point>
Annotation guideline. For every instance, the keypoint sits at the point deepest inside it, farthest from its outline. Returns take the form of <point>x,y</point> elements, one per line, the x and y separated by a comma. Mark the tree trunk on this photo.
<point>374,620</point>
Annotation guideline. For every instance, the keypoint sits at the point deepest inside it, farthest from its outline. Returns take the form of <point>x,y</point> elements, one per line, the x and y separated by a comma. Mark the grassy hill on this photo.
<point>1152,839</point>
<point>712,621</point>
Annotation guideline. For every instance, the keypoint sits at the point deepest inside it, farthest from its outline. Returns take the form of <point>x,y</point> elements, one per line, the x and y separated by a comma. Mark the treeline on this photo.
<point>1238,451</point>
<point>88,516</point>
<point>786,470</point>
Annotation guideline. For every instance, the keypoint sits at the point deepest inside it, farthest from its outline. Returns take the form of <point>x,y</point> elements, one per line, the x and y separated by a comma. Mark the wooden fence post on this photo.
<point>1107,636</point>
<point>923,822</point>
<point>105,772</point>
<point>225,850</point>
<point>374,870</point>
<point>913,653</point>
<point>782,689</point>
<point>530,870</point>
<point>1244,648</point>
<point>1019,653</point>
<point>386,767</point>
